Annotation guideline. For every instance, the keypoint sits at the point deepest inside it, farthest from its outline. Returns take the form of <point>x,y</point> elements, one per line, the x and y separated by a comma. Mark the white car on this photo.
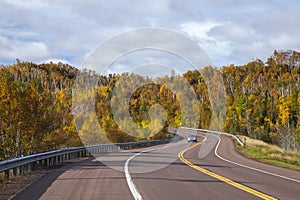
<point>192,138</point>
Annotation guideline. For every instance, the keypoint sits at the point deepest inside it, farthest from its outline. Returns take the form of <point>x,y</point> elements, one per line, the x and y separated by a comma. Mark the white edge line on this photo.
<point>252,168</point>
<point>136,195</point>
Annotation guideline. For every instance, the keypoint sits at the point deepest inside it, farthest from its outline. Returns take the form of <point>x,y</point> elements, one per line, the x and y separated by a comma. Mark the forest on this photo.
<point>262,101</point>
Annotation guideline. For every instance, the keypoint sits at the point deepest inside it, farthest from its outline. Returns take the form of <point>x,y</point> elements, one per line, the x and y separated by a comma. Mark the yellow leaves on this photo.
<point>102,90</point>
<point>62,96</point>
<point>46,84</point>
<point>177,122</point>
<point>284,109</point>
<point>252,97</point>
<point>145,123</point>
<point>152,102</point>
<point>273,134</point>
<point>269,121</point>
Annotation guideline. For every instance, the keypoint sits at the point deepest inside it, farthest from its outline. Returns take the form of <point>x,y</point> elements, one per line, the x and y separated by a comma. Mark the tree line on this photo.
<point>34,108</point>
<point>262,101</point>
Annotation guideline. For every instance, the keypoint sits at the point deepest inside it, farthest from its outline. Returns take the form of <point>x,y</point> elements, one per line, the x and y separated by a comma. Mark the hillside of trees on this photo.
<point>36,113</point>
<point>35,103</point>
<point>263,102</point>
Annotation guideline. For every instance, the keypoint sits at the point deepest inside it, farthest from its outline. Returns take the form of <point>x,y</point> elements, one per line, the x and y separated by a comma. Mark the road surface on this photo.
<point>209,169</point>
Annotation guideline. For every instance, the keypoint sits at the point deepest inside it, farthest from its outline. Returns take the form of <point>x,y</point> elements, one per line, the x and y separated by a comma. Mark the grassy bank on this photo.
<point>271,154</point>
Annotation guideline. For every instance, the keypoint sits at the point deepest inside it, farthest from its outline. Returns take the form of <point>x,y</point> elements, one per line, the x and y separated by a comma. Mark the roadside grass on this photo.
<point>271,154</point>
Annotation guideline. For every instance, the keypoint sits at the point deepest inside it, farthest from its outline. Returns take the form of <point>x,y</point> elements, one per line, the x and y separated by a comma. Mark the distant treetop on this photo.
<point>287,57</point>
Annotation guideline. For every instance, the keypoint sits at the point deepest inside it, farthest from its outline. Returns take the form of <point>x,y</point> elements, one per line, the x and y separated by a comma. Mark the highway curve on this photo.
<point>198,172</point>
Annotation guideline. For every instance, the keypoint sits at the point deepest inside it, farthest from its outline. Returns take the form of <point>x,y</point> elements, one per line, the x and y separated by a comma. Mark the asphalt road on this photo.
<point>174,171</point>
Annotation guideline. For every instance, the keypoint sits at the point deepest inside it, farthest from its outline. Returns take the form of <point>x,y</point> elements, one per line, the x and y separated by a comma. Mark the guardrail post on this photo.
<point>7,174</point>
<point>15,171</point>
<point>46,162</point>
<point>29,167</point>
<point>40,163</point>
<point>34,164</point>
<point>21,169</point>
<point>54,160</point>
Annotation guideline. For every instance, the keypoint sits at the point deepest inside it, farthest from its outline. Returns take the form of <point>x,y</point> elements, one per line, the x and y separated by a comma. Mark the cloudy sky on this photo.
<point>230,31</point>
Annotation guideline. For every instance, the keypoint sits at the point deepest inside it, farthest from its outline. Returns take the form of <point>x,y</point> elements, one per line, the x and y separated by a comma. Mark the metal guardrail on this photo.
<point>217,132</point>
<point>47,159</point>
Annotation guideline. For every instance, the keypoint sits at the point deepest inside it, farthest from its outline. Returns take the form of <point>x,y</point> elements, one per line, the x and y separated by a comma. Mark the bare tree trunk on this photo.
<point>248,124</point>
<point>18,143</point>
<point>3,141</point>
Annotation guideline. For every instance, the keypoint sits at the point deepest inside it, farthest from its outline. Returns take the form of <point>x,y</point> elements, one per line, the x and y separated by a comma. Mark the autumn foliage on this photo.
<point>262,101</point>
<point>35,101</point>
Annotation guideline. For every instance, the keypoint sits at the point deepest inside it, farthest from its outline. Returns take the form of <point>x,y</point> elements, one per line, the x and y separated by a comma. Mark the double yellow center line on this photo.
<point>219,177</point>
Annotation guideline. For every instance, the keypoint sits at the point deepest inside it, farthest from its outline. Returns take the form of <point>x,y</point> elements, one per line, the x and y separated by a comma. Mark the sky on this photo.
<point>229,31</point>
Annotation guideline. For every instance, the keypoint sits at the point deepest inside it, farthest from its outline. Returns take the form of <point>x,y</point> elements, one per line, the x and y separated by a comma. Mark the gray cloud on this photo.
<point>30,50</point>
<point>67,30</point>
